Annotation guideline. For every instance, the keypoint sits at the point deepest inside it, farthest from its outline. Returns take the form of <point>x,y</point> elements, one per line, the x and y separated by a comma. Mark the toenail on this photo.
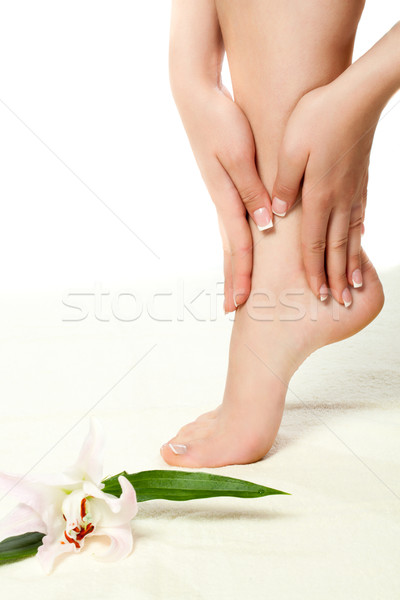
<point>178,448</point>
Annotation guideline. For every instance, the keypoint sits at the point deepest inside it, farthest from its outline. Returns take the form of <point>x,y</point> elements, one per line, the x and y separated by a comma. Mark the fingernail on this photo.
<point>262,219</point>
<point>279,207</point>
<point>178,448</point>
<point>237,298</point>
<point>347,298</point>
<point>323,292</point>
<point>357,278</point>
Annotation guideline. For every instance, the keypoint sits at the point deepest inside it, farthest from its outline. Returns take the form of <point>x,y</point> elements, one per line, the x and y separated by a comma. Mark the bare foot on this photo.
<point>270,338</point>
<point>280,325</point>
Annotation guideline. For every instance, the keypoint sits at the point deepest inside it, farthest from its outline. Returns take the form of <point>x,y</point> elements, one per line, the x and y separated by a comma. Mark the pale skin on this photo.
<point>220,135</point>
<point>271,74</point>
<point>328,140</point>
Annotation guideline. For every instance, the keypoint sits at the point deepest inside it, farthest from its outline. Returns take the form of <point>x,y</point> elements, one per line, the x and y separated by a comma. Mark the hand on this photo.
<point>223,144</point>
<point>327,141</point>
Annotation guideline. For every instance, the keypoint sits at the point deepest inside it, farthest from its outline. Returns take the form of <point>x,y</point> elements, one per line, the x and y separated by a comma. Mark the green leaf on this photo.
<point>20,546</point>
<point>181,485</point>
<point>150,485</point>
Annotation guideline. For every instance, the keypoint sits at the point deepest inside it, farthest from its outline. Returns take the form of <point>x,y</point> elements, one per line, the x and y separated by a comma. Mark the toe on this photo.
<point>192,431</point>
<point>192,454</point>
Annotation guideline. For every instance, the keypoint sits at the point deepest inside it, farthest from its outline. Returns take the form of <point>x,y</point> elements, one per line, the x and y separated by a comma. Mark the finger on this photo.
<point>243,173</point>
<point>354,273</point>
<point>237,238</point>
<point>336,255</point>
<point>314,226</point>
<point>229,305</point>
<point>291,167</point>
<point>241,254</point>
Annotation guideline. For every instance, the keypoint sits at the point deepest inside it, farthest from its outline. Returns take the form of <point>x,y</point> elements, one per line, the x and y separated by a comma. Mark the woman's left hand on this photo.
<point>327,142</point>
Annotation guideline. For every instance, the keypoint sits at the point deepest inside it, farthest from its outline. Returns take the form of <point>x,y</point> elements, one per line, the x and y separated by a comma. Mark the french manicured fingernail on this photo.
<point>323,292</point>
<point>262,219</point>
<point>279,207</point>
<point>238,298</point>
<point>347,297</point>
<point>357,278</point>
<point>178,448</point>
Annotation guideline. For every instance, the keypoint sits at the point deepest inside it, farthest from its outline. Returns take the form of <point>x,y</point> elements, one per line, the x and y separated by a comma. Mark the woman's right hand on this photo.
<point>223,144</point>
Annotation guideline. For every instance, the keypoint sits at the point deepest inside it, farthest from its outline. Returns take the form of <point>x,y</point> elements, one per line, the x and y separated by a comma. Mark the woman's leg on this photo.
<point>277,51</point>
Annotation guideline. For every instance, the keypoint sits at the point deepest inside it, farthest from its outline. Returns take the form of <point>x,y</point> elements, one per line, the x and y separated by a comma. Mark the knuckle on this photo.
<point>357,206</point>
<point>356,222</point>
<point>251,195</point>
<point>350,188</point>
<point>283,190</point>
<point>317,201</point>
<point>354,261</point>
<point>314,246</point>
<point>338,244</point>
<point>337,280</point>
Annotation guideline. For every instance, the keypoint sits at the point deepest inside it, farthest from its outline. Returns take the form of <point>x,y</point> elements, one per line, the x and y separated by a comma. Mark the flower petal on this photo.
<point>91,457</point>
<point>51,548</point>
<point>69,480</point>
<point>22,519</point>
<point>108,510</point>
<point>121,542</point>
<point>35,495</point>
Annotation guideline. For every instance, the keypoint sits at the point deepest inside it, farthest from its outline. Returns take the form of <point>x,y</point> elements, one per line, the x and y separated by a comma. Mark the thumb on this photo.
<point>291,167</point>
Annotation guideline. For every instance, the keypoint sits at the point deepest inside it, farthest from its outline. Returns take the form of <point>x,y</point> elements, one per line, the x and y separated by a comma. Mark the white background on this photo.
<point>88,82</point>
<point>89,79</point>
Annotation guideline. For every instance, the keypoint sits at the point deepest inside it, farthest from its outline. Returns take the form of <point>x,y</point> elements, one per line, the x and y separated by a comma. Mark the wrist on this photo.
<point>375,77</point>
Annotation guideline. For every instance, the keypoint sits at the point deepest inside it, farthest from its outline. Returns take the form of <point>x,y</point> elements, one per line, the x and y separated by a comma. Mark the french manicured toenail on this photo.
<point>178,448</point>
<point>357,278</point>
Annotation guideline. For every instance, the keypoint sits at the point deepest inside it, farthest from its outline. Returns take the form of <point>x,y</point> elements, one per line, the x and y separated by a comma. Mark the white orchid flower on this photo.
<point>71,506</point>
